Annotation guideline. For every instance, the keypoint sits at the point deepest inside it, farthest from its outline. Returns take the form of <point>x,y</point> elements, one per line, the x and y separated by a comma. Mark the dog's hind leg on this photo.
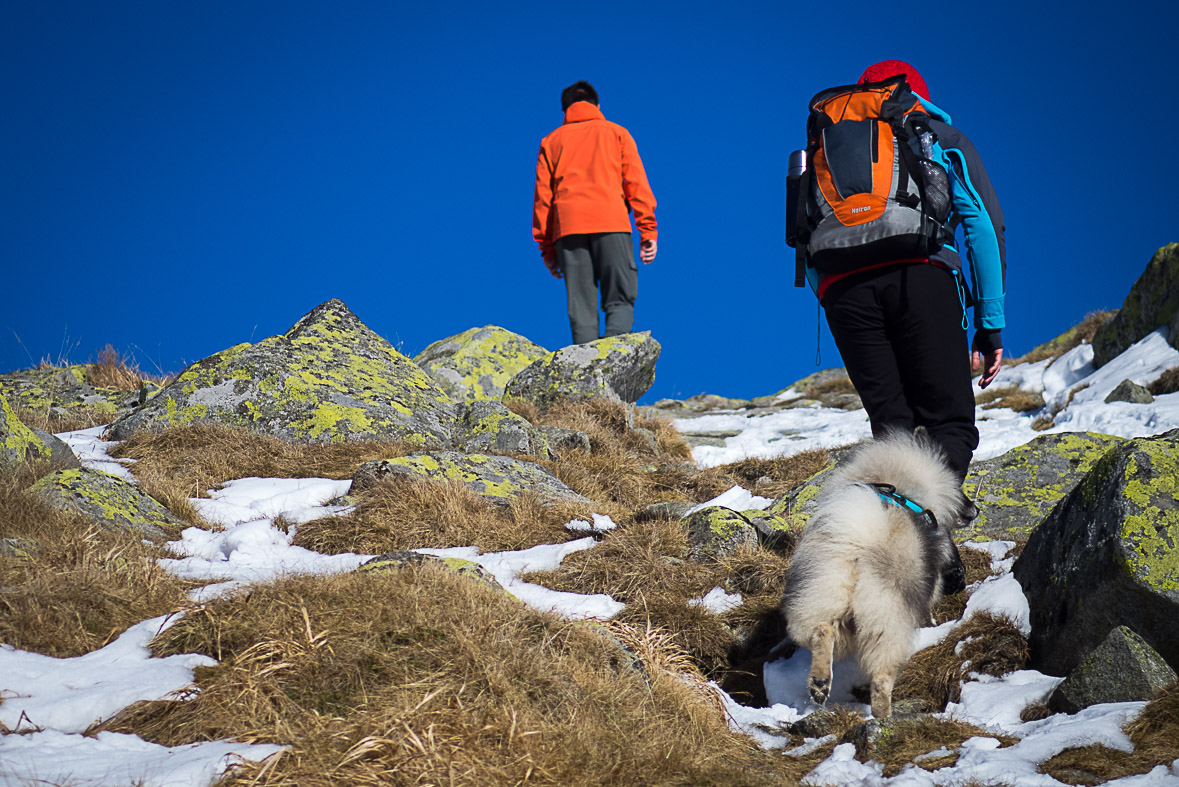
<point>822,647</point>
<point>882,682</point>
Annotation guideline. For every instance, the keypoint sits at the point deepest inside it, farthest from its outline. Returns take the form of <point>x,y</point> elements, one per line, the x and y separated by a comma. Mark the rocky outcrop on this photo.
<point>1123,668</point>
<point>329,378</point>
<point>1015,491</point>
<point>486,426</point>
<point>1153,302</point>
<point>17,441</point>
<point>498,479</point>
<point>1108,555</point>
<point>62,391</point>
<point>111,502</point>
<point>59,452</point>
<point>619,368</point>
<point>479,362</point>
<point>716,532</point>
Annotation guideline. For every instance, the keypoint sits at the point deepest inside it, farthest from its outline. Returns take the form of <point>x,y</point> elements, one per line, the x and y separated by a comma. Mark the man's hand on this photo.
<point>647,251</point>
<point>991,360</point>
<point>550,262</point>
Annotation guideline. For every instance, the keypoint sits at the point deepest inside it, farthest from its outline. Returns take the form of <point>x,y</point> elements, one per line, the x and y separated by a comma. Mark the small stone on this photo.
<point>1130,391</point>
<point>1123,668</point>
<point>716,532</point>
<point>674,509</point>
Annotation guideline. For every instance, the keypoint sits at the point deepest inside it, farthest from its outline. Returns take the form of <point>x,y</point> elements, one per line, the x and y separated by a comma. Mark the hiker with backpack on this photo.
<point>589,178</point>
<point>884,184</point>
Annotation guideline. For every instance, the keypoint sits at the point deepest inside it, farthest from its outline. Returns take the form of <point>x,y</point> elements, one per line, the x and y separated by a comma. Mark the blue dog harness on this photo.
<point>889,494</point>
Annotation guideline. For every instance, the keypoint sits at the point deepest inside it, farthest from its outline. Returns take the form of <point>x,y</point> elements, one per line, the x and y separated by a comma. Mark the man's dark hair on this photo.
<point>578,91</point>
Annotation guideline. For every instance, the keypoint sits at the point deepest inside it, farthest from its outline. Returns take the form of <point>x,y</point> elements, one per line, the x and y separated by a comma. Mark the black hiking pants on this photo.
<point>899,330</point>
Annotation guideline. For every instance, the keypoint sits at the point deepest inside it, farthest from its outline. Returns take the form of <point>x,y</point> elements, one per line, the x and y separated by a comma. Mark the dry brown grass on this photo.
<point>1167,383</point>
<point>198,457</point>
<point>783,473</point>
<point>1080,333</point>
<point>54,422</point>
<point>836,385</point>
<point>405,513</point>
<point>1012,397</point>
<point>1155,735</point>
<point>83,586</point>
<point>910,738</point>
<point>114,370</point>
<point>990,645</point>
<point>420,676</point>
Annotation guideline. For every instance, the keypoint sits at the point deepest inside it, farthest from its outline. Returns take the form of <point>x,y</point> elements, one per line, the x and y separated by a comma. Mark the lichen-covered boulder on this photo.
<point>773,531</point>
<point>619,368</point>
<point>1123,668</point>
<point>1153,302</point>
<point>1108,554</point>
<point>1016,490</point>
<point>402,559</point>
<point>479,362</point>
<point>59,452</point>
<point>329,378</point>
<point>17,441</point>
<point>551,440</point>
<point>498,479</point>
<point>111,502</point>
<point>800,503</point>
<point>716,532</point>
<point>484,426</point>
<point>63,391</point>
<point>1130,391</point>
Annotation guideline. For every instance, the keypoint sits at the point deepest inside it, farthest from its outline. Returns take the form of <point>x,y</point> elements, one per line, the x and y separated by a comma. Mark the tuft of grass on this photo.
<point>406,513</point>
<point>779,475</point>
<point>910,738</point>
<point>81,586</point>
<point>1081,333</point>
<point>985,644</point>
<point>114,370</point>
<point>1167,383</point>
<point>198,457</point>
<point>421,676</point>
<point>1011,397</point>
<point>73,419</point>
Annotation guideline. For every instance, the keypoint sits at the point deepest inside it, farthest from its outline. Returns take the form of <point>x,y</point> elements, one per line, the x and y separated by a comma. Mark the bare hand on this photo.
<point>991,364</point>
<point>647,251</point>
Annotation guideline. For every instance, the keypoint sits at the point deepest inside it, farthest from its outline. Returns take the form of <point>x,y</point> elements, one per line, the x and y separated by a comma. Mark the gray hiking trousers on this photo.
<point>604,260</point>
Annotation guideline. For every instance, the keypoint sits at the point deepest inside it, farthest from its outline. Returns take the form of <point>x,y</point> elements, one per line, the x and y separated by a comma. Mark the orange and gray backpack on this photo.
<point>871,190</point>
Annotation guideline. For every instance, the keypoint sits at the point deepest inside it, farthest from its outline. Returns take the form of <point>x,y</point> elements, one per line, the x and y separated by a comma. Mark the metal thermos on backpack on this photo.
<point>794,173</point>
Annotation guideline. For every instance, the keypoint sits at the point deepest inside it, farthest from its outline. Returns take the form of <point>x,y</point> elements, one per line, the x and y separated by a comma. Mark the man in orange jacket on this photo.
<point>588,179</point>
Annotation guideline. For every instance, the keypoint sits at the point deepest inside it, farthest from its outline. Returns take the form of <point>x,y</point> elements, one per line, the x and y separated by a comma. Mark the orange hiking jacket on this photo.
<point>588,174</point>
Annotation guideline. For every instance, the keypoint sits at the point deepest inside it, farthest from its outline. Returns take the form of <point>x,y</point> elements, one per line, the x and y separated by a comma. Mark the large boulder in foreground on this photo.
<point>17,441</point>
<point>329,378</point>
<point>619,368</point>
<point>479,362</point>
<point>498,479</point>
<point>1016,490</point>
<point>1153,302</point>
<point>111,502</point>
<point>1108,555</point>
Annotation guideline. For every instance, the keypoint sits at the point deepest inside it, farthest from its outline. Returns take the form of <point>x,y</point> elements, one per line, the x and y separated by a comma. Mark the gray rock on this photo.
<point>1015,491</point>
<point>392,561</point>
<point>329,378</point>
<point>498,479</point>
<point>773,531</point>
<point>1123,668</point>
<point>479,362</point>
<point>648,439</point>
<point>1108,553</point>
<point>64,391</point>
<point>1153,302</point>
<point>800,503</point>
<point>815,724</point>
<point>675,509</point>
<point>21,548</point>
<point>17,441</point>
<point>59,451</point>
<point>558,439</point>
<point>485,426</point>
<point>619,368</point>
<point>111,502</point>
<point>1129,391</point>
<point>716,532</point>
<point>868,735</point>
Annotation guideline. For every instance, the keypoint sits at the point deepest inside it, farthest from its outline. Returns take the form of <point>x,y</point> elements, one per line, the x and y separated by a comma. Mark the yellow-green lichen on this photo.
<point>17,441</point>
<point>1150,535</point>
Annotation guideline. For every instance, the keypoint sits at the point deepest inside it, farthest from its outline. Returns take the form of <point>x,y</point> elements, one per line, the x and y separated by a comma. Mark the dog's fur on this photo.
<point>866,572</point>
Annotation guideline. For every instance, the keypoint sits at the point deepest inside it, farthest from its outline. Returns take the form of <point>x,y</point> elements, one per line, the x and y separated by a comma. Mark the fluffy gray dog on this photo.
<point>869,565</point>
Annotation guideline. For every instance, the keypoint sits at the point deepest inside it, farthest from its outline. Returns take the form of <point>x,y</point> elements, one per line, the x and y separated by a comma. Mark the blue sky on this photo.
<point>179,177</point>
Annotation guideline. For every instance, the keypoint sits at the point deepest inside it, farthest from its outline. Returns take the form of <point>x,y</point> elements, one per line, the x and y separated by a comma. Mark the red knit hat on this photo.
<point>890,68</point>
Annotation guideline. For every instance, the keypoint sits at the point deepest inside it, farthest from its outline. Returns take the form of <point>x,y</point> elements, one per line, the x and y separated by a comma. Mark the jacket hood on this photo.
<point>583,110</point>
